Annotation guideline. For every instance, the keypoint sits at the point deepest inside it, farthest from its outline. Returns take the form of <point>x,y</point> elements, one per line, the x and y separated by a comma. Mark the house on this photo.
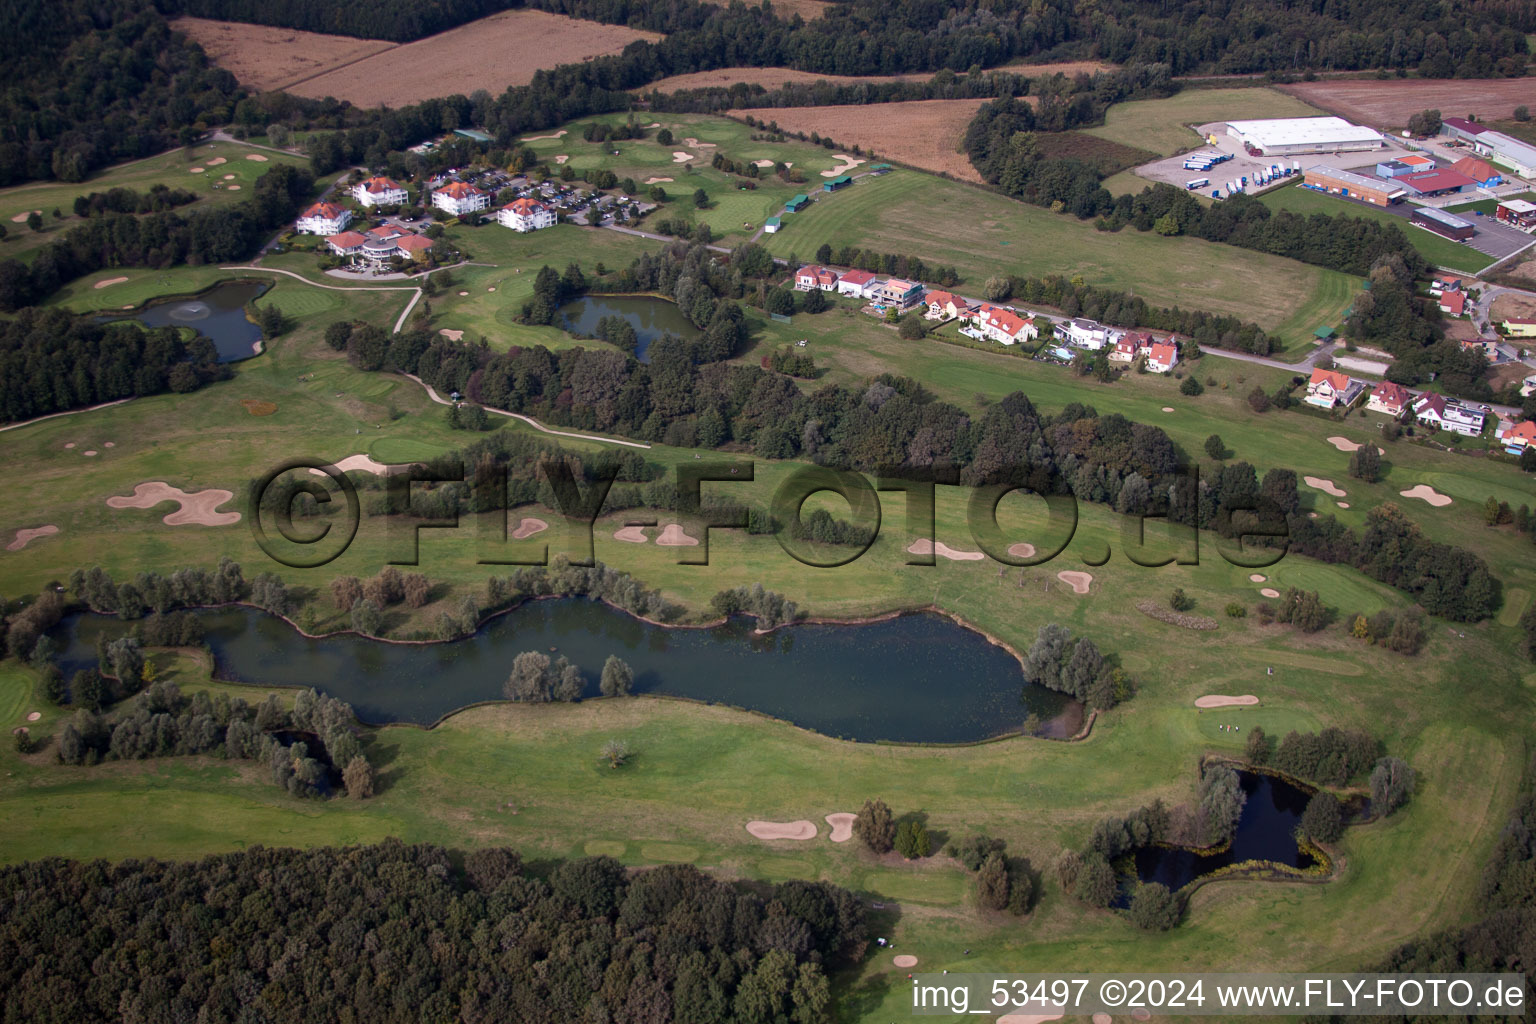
<point>1327,388</point>
<point>1517,213</point>
<point>458,198</point>
<point>1520,328</point>
<point>1517,436</point>
<point>1162,357</point>
<point>1389,399</point>
<point>526,215</point>
<point>1480,171</point>
<point>1444,284</point>
<point>1453,303</point>
<point>413,247</point>
<point>858,283</point>
<point>346,243</point>
<point>324,219</point>
<point>1090,335</point>
<point>1006,326</point>
<point>771,225</point>
<point>810,278</point>
<point>380,191</point>
<point>945,306</point>
<point>1488,348</point>
<point>1528,386</point>
<point>1438,411</point>
<point>1131,345</point>
<point>899,293</point>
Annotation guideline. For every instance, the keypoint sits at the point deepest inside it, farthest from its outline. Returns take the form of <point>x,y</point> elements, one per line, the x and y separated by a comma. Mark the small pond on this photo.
<point>218,314</point>
<point>914,679</point>
<point>649,316</point>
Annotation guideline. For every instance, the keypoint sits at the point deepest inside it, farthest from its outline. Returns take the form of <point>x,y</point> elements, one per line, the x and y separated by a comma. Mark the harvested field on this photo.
<point>265,58</point>
<point>1389,104</point>
<point>773,78</point>
<point>1505,307</point>
<point>922,133</point>
<point>493,53</point>
<point>809,10</point>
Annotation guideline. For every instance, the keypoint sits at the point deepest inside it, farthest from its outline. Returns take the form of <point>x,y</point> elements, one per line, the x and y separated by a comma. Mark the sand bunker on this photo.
<point>21,218</point>
<point>233,188</point>
<point>217,160</point>
<point>27,536</point>
<point>1027,1018</point>
<point>197,507</point>
<point>537,138</point>
<point>1141,1013</point>
<point>1326,486</point>
<point>89,454</point>
<point>1216,700</point>
<point>462,294</point>
<point>109,281</point>
<point>696,144</point>
<point>798,830</point>
<point>493,287</point>
<point>904,960</point>
<point>256,157</point>
<point>654,124</point>
<point>672,536</point>
<point>848,164</point>
<point>762,163</point>
<point>195,170</point>
<point>1167,408</point>
<point>110,444</point>
<point>1270,592</point>
<point>679,157</point>
<point>254,406</point>
<point>842,826</point>
<point>1021,550</point>
<point>364,463</point>
<point>34,716</point>
<point>631,535</point>
<point>924,546</point>
<point>1103,1018</point>
<point>1428,493</point>
<point>562,158</point>
<point>1342,504</point>
<point>229,177</point>
<point>529,527</point>
<point>1078,581</point>
<point>452,335</point>
<point>1257,577</point>
<point>656,181</point>
<point>69,444</point>
<point>1343,444</point>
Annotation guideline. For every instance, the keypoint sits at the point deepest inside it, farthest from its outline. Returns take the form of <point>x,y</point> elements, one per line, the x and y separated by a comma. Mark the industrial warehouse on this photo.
<point>1287,136</point>
<point>1355,186</point>
<point>1442,223</point>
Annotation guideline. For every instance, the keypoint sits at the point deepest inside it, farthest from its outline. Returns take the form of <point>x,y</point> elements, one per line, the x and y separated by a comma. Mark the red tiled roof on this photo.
<point>346,240</point>
<point>1463,124</point>
<point>330,211</point>
<point>1390,393</point>
<point>858,277</point>
<point>1007,322</point>
<point>525,207</point>
<point>459,190</point>
<point>381,185</point>
<point>1164,353</point>
<point>414,243</point>
<point>1525,430</point>
<point>1477,170</point>
<point>1453,302</point>
<point>941,298</point>
<point>1334,379</point>
<point>1434,181</point>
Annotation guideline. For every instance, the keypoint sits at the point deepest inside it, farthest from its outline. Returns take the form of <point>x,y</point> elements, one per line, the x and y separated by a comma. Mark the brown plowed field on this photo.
<point>493,53</point>
<point>265,58</point>
<point>919,133</point>
<point>1389,104</point>
<point>772,78</point>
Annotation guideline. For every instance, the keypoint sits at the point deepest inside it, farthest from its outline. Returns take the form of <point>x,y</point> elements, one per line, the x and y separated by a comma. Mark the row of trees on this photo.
<point>1074,665</point>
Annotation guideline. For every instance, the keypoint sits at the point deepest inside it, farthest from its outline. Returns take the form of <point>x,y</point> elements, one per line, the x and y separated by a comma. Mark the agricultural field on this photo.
<point>222,173</point>
<point>1388,103</point>
<point>493,53</point>
<point>266,58</point>
<point>920,133</point>
<point>982,233</point>
<point>1439,250</point>
<point>773,78</point>
<point>1164,126</point>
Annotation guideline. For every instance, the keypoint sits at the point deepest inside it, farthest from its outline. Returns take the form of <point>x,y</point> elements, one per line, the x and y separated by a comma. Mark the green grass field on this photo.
<point>1486,206</point>
<point>982,233</point>
<point>1437,249</point>
<point>1163,126</point>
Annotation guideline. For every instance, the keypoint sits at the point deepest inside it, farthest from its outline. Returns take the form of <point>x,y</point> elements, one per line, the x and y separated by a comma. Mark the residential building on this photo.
<point>1162,357</point>
<point>1528,386</point>
<point>945,306</point>
<point>1520,328</point>
<point>1442,223</point>
<point>899,293</point>
<point>324,219</point>
<point>1131,345</point>
<point>1517,437</point>
<point>1453,303</point>
<point>1354,186</point>
<point>858,283</point>
<point>380,191</point>
<point>413,247</point>
<point>1090,335</point>
<point>1516,212</point>
<point>458,199</point>
<point>526,215</point>
<point>1327,388</point>
<point>1444,284</point>
<point>1434,410</point>
<point>346,243</point>
<point>1389,399</point>
<point>1488,348</point>
<point>1006,326</point>
<point>811,278</point>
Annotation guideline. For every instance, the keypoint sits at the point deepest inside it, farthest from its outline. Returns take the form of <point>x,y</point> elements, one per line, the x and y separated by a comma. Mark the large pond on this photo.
<point>914,679</point>
<point>1265,831</point>
<point>650,317</point>
<point>218,314</point>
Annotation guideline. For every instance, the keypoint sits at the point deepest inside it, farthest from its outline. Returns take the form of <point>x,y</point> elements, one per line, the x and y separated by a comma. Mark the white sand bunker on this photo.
<point>672,536</point>
<point>198,508</point>
<point>529,527</point>
<point>89,454</point>
<point>233,188</point>
<point>1257,577</point>
<point>109,281</point>
<point>1021,550</point>
<point>924,546</point>
<point>462,294</point>
<point>842,826</point>
<point>21,218</point>
<point>34,716</point>
<point>452,335</point>
<point>110,444</point>
<point>69,444</point>
<point>1428,493</point>
<point>848,163</point>
<point>195,170</point>
<point>1167,408</point>
<point>363,462</point>
<point>1217,700</point>
<point>679,157</point>
<point>27,536</point>
<point>762,163</point>
<point>256,157</point>
<point>1326,486</point>
<point>656,181</point>
<point>536,138</point>
<point>1342,504</point>
<point>654,124</point>
<point>631,535</point>
<point>562,158</point>
<point>1027,1018</point>
<point>798,830</point>
<point>491,288</point>
<point>1103,1018</point>
<point>904,960</point>
<point>696,144</point>
<point>229,177</point>
<point>216,161</point>
<point>1343,444</point>
<point>1141,1013</point>
<point>1270,592</point>
<point>1078,581</point>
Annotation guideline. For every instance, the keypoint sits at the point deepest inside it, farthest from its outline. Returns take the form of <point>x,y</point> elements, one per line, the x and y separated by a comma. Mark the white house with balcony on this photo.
<point>526,215</point>
<point>1090,335</point>
<point>324,219</point>
<point>458,199</point>
<point>380,191</point>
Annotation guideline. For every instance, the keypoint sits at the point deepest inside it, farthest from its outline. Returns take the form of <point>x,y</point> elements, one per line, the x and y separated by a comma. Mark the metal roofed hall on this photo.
<point>1450,220</point>
<point>1296,132</point>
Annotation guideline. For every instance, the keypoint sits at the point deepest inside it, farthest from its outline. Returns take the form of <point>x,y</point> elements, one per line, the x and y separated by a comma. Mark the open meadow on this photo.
<point>1166,126</point>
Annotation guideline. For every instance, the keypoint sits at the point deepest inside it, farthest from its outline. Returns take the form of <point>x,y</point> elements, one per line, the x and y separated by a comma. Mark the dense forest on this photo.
<point>406,933</point>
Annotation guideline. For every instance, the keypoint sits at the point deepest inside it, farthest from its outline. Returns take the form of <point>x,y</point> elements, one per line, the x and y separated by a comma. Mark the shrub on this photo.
<point>875,826</point>
<point>1237,611</point>
<point>1323,819</point>
<point>1191,386</point>
<point>1154,908</point>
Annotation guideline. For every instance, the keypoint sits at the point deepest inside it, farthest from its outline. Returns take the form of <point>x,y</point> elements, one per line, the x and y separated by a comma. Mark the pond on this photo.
<point>649,316</point>
<point>1265,831</point>
<point>218,314</point>
<point>914,679</point>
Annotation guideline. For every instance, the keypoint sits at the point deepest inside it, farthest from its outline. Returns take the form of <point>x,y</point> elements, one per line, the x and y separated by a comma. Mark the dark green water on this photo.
<point>915,679</point>
<point>218,314</point>
<point>650,317</point>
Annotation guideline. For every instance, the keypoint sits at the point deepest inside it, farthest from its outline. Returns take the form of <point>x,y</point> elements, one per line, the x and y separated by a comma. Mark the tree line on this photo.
<point>150,939</point>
